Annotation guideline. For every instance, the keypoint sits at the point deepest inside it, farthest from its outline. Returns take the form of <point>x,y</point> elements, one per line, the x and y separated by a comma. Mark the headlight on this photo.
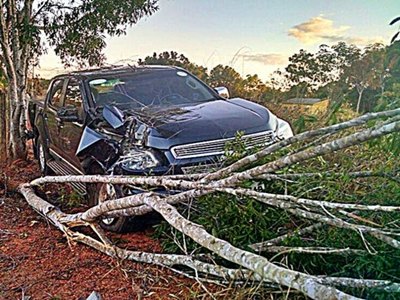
<point>283,129</point>
<point>138,159</point>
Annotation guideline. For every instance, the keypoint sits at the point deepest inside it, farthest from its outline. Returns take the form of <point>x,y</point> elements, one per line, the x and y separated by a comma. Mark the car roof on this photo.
<point>112,70</point>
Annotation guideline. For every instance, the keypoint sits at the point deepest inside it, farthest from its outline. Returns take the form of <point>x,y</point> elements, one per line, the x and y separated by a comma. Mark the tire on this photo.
<point>42,157</point>
<point>103,193</point>
<point>100,192</point>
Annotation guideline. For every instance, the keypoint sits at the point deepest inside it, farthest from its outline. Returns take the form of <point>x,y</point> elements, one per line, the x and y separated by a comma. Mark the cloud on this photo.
<point>320,29</point>
<point>266,58</point>
<point>317,29</point>
<point>363,41</point>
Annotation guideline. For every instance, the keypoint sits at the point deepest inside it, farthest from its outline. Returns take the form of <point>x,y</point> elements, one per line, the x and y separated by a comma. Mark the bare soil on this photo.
<point>36,261</point>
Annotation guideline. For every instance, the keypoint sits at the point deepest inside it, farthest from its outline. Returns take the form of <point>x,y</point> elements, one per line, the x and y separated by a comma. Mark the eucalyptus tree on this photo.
<point>76,29</point>
<point>301,71</point>
<point>367,72</point>
<point>173,58</point>
<point>309,71</point>
<point>392,62</point>
<point>227,76</point>
<point>254,88</point>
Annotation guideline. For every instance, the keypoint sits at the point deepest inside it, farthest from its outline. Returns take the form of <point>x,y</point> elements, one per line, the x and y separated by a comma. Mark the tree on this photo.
<point>173,58</point>
<point>392,64</point>
<point>309,71</point>
<point>76,30</point>
<point>228,77</point>
<point>277,84</point>
<point>367,71</point>
<point>254,88</point>
<point>301,71</point>
<point>344,56</point>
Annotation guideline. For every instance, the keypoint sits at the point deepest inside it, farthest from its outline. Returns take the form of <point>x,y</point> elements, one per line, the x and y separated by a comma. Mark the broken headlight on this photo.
<point>138,159</point>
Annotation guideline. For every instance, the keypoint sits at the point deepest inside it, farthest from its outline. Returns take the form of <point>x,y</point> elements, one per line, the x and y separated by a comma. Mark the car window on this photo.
<point>56,98</point>
<point>73,96</point>
<point>149,88</point>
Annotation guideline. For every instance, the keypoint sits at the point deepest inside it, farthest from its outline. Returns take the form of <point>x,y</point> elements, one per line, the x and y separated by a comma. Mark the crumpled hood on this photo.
<point>204,121</point>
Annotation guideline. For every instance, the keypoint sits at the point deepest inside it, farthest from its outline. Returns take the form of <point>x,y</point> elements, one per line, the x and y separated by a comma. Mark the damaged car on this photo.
<point>145,120</point>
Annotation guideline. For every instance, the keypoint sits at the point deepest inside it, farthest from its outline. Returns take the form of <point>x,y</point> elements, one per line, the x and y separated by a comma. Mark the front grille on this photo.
<point>216,147</point>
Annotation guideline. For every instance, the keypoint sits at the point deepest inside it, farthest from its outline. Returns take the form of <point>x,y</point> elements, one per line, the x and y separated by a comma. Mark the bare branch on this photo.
<point>264,245</point>
<point>256,263</point>
<point>297,138</point>
<point>303,201</point>
<point>312,250</point>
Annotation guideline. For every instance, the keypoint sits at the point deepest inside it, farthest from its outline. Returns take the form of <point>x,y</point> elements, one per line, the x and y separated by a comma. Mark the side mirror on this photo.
<point>68,114</point>
<point>222,91</point>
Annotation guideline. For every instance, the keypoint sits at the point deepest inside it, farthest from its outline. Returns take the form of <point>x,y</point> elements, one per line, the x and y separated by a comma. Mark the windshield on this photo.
<point>148,88</point>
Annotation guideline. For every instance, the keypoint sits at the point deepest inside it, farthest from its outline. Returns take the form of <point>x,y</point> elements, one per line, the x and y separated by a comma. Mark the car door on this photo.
<point>55,99</point>
<point>71,131</point>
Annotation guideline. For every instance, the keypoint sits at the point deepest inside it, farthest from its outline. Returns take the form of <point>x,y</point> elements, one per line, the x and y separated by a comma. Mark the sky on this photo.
<point>253,36</point>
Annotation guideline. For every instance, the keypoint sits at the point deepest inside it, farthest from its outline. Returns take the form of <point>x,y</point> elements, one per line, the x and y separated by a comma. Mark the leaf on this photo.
<point>394,37</point>
<point>394,20</point>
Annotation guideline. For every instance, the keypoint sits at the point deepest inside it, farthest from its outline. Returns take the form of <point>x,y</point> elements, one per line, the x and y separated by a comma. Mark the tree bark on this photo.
<point>360,93</point>
<point>17,142</point>
<point>3,127</point>
<point>15,56</point>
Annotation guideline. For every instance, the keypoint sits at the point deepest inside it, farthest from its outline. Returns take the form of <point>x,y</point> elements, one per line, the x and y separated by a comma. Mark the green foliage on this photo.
<point>301,123</point>
<point>309,71</point>
<point>389,99</point>
<point>172,58</point>
<point>68,199</point>
<point>228,77</point>
<point>345,72</point>
<point>235,149</point>
<point>76,29</point>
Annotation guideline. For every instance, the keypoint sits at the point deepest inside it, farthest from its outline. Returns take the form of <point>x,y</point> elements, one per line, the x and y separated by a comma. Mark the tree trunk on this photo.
<point>3,127</point>
<point>15,56</point>
<point>17,141</point>
<point>360,93</point>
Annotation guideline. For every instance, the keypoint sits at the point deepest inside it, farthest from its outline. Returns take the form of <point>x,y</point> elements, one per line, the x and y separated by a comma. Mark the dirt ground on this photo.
<point>37,262</point>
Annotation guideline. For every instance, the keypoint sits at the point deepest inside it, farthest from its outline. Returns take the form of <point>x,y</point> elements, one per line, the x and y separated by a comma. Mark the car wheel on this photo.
<point>109,192</point>
<point>100,192</point>
<point>43,157</point>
